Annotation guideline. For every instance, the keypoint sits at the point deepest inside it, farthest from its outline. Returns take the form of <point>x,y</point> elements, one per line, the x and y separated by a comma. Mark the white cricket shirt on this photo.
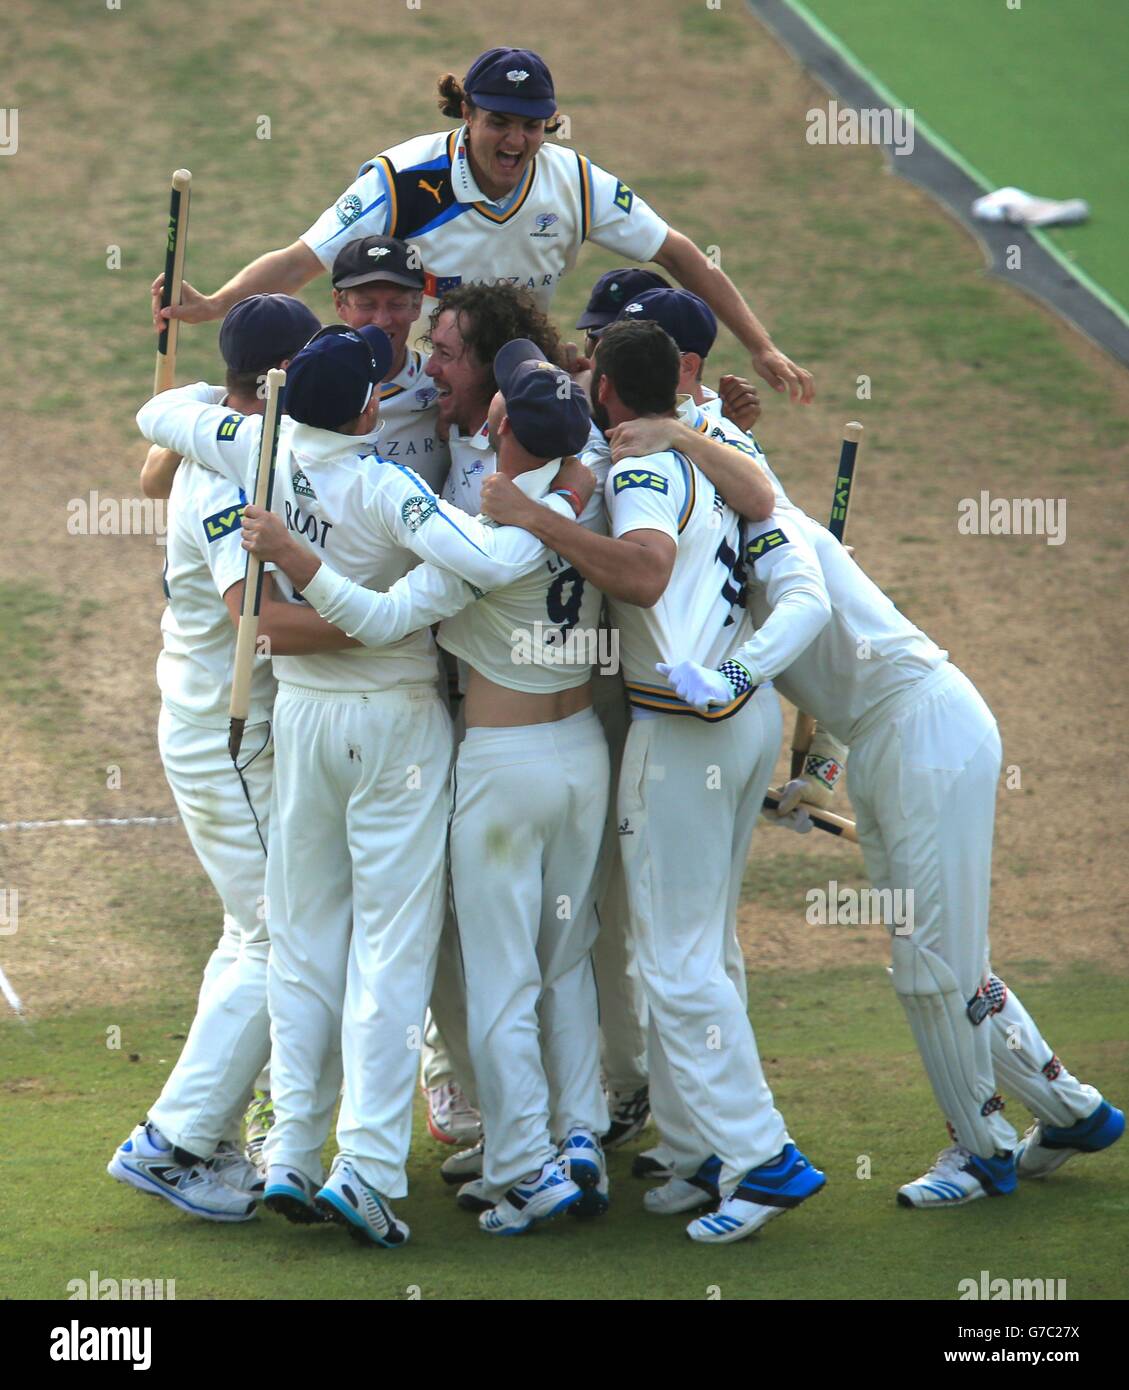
<point>514,635</point>
<point>368,518</point>
<point>701,614</point>
<point>423,191</point>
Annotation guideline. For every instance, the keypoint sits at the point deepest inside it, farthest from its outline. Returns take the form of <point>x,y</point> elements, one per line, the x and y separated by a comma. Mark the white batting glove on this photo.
<point>797,819</point>
<point>823,767</point>
<point>701,687</point>
<point>791,794</point>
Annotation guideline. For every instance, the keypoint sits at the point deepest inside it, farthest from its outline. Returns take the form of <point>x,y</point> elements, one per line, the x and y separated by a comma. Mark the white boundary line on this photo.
<point>101,820</point>
<point>11,996</point>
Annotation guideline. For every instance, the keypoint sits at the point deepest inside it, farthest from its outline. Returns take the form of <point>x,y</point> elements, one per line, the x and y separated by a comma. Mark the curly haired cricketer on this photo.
<point>491,201</point>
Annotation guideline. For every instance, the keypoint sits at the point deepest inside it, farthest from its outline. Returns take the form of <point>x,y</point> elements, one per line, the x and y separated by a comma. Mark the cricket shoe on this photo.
<point>585,1164</point>
<point>629,1111</point>
<point>462,1166</point>
<point>762,1194</point>
<point>472,1197</point>
<point>1044,1147</point>
<point>146,1161</point>
<point>960,1176</point>
<point>652,1164</point>
<point>538,1197</point>
<point>350,1202</point>
<point>291,1194</point>
<point>258,1122</point>
<point>686,1194</point>
<point>235,1170</point>
<point>450,1116</point>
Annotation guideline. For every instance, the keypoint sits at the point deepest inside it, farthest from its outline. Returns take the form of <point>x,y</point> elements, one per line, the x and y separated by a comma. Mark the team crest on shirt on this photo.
<point>416,510</point>
<point>425,396</point>
<point>544,221</point>
<point>221,524</point>
<point>623,197</point>
<point>516,76</point>
<point>228,425</point>
<point>769,541</point>
<point>301,485</point>
<point>640,477</point>
<point>348,209</point>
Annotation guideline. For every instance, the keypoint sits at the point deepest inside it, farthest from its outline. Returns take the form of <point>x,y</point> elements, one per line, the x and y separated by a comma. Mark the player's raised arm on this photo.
<point>284,271</point>
<point>691,269</point>
<point>185,421</point>
<point>735,475</point>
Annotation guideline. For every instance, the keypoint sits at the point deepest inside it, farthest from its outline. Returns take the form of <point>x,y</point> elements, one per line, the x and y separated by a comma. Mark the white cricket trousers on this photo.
<point>356,878</point>
<point>227,823</point>
<point>623,1008</point>
<point>923,780</point>
<point>689,796</point>
<point>528,816</point>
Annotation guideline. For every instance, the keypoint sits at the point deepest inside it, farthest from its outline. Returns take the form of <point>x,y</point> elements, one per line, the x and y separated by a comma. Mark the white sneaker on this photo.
<point>291,1194</point>
<point>763,1194</point>
<point>235,1170</point>
<point>537,1197</point>
<point>686,1194</point>
<point>959,1176</point>
<point>146,1161</point>
<point>472,1196</point>
<point>450,1117</point>
<point>350,1202</point>
<point>1044,1148</point>
<point>465,1164</point>
<point>585,1164</point>
<point>628,1112</point>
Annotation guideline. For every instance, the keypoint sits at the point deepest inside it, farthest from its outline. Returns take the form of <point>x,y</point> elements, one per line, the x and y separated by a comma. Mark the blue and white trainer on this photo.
<point>233,1166</point>
<point>959,1176</point>
<point>1044,1148</point>
<point>585,1164</point>
<point>762,1194</point>
<point>146,1161</point>
<point>686,1194</point>
<point>351,1202</point>
<point>538,1197</point>
<point>291,1194</point>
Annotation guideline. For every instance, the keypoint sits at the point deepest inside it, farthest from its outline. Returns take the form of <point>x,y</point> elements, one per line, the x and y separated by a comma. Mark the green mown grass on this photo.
<point>1030,94</point>
<point>838,1056</point>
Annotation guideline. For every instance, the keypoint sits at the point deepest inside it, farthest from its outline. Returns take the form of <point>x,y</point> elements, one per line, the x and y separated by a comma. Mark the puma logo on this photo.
<point>423,183</point>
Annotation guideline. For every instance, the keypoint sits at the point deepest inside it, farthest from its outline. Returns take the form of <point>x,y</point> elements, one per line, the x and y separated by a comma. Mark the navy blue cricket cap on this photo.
<point>264,330</point>
<point>689,320</point>
<point>613,290</point>
<point>514,81</point>
<point>332,379</point>
<point>547,409</point>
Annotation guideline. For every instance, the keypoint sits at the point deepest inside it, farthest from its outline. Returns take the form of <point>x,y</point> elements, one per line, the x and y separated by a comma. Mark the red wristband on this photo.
<point>573,498</point>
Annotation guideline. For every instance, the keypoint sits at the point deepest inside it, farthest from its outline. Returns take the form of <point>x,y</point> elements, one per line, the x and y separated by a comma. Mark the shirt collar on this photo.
<point>323,446</point>
<point>462,180</point>
<point>465,185</point>
<point>480,439</point>
<point>536,482</point>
